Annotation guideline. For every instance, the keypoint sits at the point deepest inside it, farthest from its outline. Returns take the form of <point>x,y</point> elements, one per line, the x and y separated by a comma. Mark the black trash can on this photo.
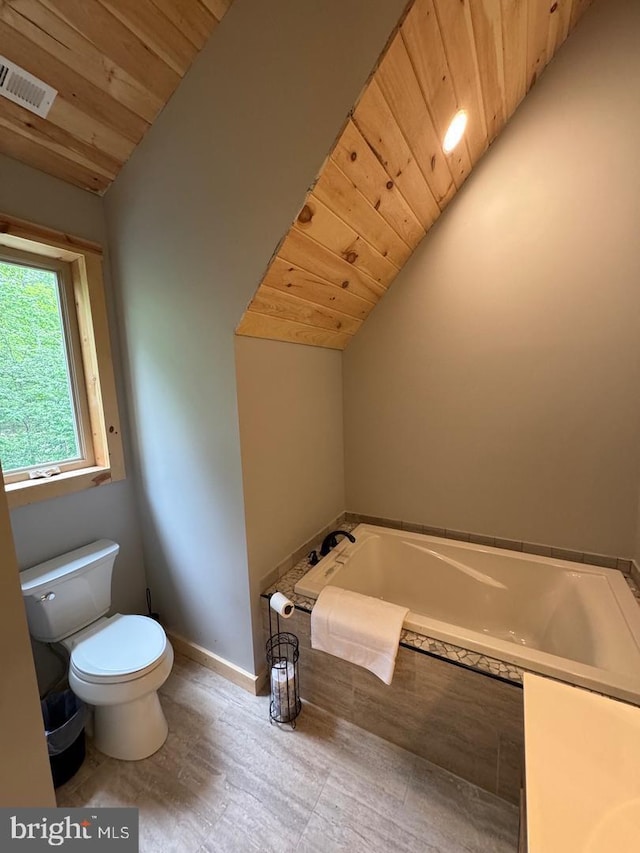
<point>64,718</point>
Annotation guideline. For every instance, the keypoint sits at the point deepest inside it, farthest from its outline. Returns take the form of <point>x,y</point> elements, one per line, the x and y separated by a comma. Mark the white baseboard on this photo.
<point>249,682</point>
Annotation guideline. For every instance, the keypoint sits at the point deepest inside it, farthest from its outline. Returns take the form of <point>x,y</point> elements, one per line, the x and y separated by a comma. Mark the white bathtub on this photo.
<point>574,622</point>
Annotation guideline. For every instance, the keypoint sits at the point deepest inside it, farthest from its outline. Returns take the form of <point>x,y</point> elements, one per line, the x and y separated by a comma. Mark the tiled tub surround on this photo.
<point>453,715</point>
<point>574,622</point>
<point>461,720</point>
<point>430,645</point>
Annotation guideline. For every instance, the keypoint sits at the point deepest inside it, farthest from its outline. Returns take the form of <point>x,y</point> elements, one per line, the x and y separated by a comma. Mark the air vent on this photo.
<point>23,88</point>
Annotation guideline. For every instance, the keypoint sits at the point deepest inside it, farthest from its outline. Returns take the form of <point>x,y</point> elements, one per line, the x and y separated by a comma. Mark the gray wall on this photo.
<point>52,527</point>
<point>290,413</point>
<point>193,219</point>
<point>495,388</point>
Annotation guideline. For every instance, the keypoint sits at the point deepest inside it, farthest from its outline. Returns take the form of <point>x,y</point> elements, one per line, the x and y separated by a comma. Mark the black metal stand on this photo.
<point>282,660</point>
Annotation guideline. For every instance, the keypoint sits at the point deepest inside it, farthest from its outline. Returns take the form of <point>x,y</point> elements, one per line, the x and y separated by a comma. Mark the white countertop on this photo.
<point>582,770</point>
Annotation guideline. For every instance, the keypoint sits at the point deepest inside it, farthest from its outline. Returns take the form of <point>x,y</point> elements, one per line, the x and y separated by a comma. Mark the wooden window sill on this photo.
<point>26,492</point>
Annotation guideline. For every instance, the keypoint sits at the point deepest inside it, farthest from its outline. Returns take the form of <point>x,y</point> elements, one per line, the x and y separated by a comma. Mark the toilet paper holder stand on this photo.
<point>283,653</point>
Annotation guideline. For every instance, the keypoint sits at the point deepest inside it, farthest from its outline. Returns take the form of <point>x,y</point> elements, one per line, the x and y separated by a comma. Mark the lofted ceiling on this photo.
<point>387,179</point>
<point>115,64</point>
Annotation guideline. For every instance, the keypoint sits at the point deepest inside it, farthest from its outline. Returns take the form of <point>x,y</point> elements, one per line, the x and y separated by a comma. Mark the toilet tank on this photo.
<point>68,592</point>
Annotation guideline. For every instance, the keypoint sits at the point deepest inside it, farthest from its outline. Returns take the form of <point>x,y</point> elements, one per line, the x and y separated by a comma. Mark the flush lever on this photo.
<point>48,596</point>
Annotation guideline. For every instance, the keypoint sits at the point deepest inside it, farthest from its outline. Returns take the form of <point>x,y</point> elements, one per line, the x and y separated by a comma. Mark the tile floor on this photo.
<point>227,781</point>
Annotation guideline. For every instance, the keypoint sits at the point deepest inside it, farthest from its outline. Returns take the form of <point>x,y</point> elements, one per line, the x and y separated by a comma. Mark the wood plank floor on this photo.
<point>227,781</point>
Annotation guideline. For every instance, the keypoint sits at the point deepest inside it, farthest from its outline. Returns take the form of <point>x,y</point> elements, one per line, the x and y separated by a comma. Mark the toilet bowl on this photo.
<point>118,670</point>
<point>117,664</point>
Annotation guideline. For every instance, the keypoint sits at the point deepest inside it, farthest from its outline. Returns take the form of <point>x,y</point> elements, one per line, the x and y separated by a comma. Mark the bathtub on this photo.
<point>576,623</point>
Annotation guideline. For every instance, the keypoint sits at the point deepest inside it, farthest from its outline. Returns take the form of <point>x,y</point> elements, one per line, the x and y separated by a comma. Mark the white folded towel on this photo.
<point>358,628</point>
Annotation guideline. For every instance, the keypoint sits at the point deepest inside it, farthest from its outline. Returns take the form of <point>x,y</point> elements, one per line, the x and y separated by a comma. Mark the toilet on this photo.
<point>117,663</point>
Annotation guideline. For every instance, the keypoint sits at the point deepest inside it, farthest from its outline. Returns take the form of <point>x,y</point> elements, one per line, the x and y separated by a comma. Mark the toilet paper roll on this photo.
<point>281,604</point>
<point>282,691</point>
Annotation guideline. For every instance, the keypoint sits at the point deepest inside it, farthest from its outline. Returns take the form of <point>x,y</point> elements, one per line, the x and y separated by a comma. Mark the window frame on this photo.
<point>81,260</point>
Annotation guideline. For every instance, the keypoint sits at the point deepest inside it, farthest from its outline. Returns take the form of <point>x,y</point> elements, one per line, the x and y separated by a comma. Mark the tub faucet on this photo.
<point>330,541</point>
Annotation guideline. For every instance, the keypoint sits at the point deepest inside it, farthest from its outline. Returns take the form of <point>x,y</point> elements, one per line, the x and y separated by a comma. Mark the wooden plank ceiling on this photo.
<point>115,64</point>
<point>387,178</point>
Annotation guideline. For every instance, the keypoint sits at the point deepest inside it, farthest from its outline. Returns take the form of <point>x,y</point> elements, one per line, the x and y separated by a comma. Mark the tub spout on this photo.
<point>330,541</point>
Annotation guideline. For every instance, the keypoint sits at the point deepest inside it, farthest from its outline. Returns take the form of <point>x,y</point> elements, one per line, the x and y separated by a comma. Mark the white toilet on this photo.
<point>118,663</point>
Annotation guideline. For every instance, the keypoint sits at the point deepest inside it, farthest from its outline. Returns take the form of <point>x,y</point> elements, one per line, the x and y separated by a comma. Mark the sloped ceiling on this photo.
<point>115,64</point>
<point>387,178</point>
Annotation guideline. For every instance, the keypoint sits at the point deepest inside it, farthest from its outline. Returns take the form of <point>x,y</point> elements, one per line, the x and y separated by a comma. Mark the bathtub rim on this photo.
<point>618,685</point>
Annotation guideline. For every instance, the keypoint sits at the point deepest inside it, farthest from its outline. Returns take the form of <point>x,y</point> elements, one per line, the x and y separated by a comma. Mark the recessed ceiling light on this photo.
<point>455,131</point>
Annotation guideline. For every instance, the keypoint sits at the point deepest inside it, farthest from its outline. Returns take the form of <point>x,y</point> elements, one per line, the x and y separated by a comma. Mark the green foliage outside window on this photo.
<point>37,420</point>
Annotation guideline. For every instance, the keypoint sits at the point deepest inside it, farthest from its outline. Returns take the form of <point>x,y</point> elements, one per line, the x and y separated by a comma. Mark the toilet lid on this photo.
<point>127,645</point>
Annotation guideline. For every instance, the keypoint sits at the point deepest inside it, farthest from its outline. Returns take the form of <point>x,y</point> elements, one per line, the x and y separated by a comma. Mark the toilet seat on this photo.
<point>126,648</point>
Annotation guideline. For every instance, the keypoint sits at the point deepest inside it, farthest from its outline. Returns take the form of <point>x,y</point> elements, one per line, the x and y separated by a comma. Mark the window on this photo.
<point>44,419</point>
<point>59,428</point>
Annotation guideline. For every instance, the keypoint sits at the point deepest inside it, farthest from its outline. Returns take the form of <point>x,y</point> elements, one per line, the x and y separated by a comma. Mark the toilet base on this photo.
<point>131,731</point>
